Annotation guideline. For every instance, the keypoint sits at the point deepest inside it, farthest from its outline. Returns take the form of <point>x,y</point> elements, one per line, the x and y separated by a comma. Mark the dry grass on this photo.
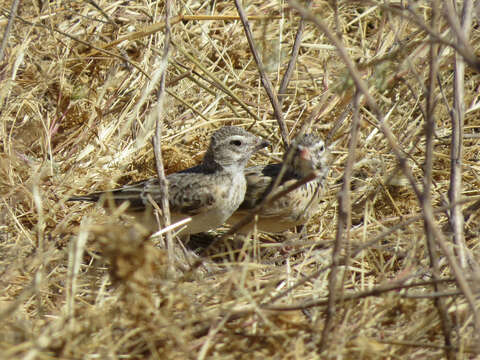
<point>79,283</point>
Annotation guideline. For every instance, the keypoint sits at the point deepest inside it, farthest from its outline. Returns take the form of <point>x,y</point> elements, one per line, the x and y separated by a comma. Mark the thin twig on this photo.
<point>104,13</point>
<point>267,84</point>
<point>445,293</point>
<point>343,230</point>
<point>293,59</point>
<point>456,153</point>
<point>461,30</point>
<point>160,113</point>
<point>6,33</point>
<point>376,291</point>
<point>427,345</point>
<point>426,198</point>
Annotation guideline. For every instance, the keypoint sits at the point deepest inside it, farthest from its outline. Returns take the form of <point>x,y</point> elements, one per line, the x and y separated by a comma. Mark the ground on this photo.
<point>78,112</point>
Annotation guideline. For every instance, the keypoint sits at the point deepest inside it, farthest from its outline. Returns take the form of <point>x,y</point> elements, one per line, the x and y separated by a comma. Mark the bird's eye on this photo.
<point>236,142</point>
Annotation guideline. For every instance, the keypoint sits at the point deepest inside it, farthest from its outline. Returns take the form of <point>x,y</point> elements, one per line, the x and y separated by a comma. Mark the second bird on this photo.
<point>296,207</point>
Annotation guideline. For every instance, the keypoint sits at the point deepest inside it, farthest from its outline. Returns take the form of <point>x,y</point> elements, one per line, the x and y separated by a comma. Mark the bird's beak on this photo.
<point>304,153</point>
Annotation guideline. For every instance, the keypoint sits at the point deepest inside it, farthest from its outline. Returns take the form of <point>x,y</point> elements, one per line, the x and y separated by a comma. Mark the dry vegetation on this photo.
<point>78,113</point>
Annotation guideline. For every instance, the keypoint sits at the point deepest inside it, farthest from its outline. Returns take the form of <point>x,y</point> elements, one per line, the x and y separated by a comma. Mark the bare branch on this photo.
<point>343,229</point>
<point>293,59</point>
<point>376,291</point>
<point>267,84</point>
<point>426,199</point>
<point>162,180</point>
<point>458,115</point>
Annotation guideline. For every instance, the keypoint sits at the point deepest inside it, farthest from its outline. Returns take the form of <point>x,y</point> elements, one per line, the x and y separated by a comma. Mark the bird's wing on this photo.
<point>189,195</point>
<point>260,180</point>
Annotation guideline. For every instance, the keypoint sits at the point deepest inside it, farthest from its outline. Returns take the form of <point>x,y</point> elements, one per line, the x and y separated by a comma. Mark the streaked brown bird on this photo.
<point>296,207</point>
<point>208,193</point>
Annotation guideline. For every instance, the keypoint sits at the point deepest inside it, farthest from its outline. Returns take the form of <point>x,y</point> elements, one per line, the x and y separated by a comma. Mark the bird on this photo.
<point>309,154</point>
<point>208,193</point>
